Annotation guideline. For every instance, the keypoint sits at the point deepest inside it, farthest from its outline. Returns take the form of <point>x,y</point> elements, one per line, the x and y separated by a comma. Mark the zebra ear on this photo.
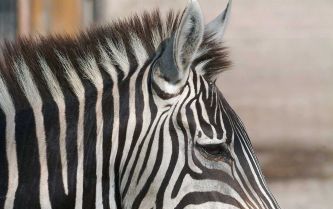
<point>173,67</point>
<point>216,28</point>
<point>188,36</point>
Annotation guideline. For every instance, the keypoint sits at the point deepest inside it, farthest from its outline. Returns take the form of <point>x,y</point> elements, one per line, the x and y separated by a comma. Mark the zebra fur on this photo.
<point>85,122</point>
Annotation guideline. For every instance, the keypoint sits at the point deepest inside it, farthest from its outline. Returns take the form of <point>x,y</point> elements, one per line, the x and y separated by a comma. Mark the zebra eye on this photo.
<point>216,152</point>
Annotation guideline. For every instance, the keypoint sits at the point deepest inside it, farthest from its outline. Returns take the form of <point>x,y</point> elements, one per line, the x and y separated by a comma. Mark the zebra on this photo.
<point>125,116</point>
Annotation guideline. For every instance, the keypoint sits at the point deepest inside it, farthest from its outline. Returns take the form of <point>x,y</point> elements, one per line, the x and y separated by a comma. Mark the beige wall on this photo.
<point>282,78</point>
<point>282,84</point>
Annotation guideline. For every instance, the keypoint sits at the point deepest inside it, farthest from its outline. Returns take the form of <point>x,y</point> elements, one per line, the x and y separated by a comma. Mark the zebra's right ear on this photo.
<point>172,69</point>
<point>217,27</point>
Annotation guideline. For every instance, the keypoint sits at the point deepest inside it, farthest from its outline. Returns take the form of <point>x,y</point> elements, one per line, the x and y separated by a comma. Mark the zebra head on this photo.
<point>125,116</point>
<point>196,153</point>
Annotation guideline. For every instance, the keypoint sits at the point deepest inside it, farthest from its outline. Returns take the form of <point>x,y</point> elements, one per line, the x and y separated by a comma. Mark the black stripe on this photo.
<point>204,125</point>
<point>218,175</point>
<point>239,141</point>
<point>123,121</point>
<point>162,94</point>
<point>246,166</point>
<point>28,161</point>
<point>227,123</point>
<point>156,166</point>
<point>139,105</point>
<point>148,150</point>
<point>72,115</point>
<point>107,108</point>
<point>234,120</point>
<point>137,155</point>
<point>89,163</point>
<point>180,124</point>
<point>246,187</point>
<point>197,198</point>
<point>26,144</point>
<point>171,168</point>
<point>52,130</point>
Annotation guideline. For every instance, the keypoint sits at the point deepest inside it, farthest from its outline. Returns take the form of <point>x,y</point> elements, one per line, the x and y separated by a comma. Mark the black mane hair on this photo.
<point>144,27</point>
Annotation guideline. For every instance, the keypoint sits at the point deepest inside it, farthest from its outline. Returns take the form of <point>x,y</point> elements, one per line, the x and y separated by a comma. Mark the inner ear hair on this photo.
<point>172,71</point>
<point>188,36</point>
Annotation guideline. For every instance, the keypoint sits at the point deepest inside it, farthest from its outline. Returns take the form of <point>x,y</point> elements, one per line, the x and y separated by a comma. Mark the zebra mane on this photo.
<point>148,30</point>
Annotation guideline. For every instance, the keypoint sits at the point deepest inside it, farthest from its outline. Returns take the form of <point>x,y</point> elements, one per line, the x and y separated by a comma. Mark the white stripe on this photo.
<point>156,38</point>
<point>109,68</point>
<point>136,188</point>
<point>7,106</point>
<point>190,89</point>
<point>58,97</point>
<point>237,177</point>
<point>31,92</point>
<point>214,140</point>
<point>146,116</point>
<point>141,56</point>
<point>261,177</point>
<point>165,32</point>
<point>79,91</point>
<point>119,56</point>
<point>167,147</point>
<point>201,66</point>
<point>139,50</point>
<point>211,205</point>
<point>217,109</point>
<point>146,133</point>
<point>255,176</point>
<point>224,138</point>
<point>114,139</point>
<point>91,71</point>
<point>206,185</point>
<point>244,176</point>
<point>238,165</point>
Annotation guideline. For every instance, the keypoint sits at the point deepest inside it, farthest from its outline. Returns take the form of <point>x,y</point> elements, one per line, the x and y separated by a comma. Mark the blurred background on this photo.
<point>281,82</point>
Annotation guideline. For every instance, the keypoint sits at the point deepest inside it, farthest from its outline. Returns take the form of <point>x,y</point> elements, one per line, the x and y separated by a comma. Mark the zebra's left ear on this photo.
<point>188,37</point>
<point>217,27</point>
<point>172,69</point>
